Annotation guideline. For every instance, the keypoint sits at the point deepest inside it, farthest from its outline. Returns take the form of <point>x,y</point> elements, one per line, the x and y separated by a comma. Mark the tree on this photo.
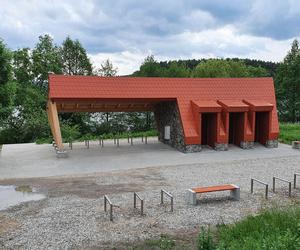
<point>150,68</point>
<point>5,63</point>
<point>223,68</point>
<point>212,68</point>
<point>257,71</point>
<point>23,66</point>
<point>177,70</point>
<point>46,58</point>
<point>288,85</point>
<point>107,69</point>
<point>74,58</point>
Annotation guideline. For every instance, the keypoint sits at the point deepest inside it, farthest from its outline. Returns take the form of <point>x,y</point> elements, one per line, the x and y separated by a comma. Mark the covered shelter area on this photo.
<point>189,112</point>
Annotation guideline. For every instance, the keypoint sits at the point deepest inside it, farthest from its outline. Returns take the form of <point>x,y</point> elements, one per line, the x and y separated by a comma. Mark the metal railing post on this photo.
<point>162,192</point>
<point>134,200</point>
<point>142,207</point>
<point>105,203</point>
<point>283,180</point>
<point>135,195</point>
<point>295,178</point>
<point>131,141</point>
<point>266,185</point>
<point>146,139</point>
<point>111,212</point>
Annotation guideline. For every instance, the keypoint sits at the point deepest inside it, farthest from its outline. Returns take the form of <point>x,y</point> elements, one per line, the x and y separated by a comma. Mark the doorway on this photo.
<point>236,128</point>
<point>262,123</point>
<point>209,129</point>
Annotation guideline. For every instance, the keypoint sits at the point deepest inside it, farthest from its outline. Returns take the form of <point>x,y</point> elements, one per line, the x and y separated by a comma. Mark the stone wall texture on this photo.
<point>167,114</point>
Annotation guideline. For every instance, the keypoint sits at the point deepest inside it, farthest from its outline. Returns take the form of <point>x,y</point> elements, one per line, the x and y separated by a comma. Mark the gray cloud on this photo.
<point>166,28</point>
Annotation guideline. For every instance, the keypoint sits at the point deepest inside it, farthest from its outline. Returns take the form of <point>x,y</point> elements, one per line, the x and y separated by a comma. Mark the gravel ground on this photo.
<point>66,220</point>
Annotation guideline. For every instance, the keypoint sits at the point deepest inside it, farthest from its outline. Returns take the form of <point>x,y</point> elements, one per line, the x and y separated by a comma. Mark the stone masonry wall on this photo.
<point>167,114</point>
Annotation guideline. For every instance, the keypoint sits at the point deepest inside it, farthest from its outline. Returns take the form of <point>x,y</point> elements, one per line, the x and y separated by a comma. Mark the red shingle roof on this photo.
<point>184,90</point>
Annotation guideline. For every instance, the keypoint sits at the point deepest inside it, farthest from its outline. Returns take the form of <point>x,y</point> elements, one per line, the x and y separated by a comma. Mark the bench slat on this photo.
<point>214,188</point>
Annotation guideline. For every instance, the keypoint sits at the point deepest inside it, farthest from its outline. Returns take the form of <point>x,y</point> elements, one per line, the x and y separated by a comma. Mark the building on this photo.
<point>190,112</point>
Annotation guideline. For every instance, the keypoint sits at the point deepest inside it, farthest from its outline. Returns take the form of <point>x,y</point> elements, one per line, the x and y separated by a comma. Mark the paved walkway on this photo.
<point>31,160</point>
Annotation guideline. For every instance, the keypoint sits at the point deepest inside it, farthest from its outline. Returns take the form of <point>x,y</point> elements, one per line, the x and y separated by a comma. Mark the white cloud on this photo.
<point>128,31</point>
<point>215,43</point>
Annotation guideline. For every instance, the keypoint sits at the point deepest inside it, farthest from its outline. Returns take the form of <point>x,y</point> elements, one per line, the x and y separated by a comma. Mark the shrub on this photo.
<point>205,240</point>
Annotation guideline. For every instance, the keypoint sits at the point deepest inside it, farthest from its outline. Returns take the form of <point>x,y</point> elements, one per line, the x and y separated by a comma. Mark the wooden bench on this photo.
<point>191,193</point>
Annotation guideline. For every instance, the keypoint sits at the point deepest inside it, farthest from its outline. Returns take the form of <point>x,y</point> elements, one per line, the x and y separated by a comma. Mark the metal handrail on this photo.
<point>263,183</point>
<point>283,180</point>
<point>135,195</point>
<point>87,143</point>
<point>295,178</point>
<point>107,200</point>
<point>162,192</point>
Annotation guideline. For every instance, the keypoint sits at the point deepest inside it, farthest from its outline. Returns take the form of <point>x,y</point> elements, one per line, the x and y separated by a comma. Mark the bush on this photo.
<point>205,240</point>
<point>70,133</point>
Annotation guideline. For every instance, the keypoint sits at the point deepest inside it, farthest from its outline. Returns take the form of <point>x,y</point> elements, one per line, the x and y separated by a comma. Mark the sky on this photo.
<point>126,31</point>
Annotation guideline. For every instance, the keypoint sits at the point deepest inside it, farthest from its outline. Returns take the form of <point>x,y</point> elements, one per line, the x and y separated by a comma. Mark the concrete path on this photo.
<point>31,160</point>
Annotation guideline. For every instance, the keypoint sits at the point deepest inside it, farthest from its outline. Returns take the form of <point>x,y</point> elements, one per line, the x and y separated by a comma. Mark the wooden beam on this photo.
<point>54,124</point>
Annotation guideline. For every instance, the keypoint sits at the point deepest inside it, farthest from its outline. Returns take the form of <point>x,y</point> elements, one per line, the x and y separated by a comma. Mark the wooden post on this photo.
<point>54,124</point>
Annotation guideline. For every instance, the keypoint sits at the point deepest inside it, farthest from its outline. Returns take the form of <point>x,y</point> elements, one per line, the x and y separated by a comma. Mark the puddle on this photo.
<point>12,195</point>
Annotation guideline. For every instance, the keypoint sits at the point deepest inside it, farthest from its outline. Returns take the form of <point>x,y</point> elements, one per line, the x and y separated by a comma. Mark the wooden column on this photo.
<point>54,124</point>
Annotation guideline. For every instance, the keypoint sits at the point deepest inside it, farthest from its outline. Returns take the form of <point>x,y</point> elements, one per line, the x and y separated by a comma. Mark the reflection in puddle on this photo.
<point>12,196</point>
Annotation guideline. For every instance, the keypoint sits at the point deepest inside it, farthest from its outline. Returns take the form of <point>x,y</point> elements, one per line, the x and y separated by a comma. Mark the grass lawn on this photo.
<point>289,132</point>
<point>271,229</point>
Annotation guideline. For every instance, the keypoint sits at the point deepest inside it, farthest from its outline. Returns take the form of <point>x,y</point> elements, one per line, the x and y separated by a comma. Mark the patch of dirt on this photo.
<point>7,225</point>
<point>88,186</point>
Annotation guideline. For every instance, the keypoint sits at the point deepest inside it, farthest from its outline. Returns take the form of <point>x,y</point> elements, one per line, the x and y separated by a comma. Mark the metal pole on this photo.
<point>142,207</point>
<point>295,180</point>
<point>267,190</point>
<point>134,200</point>
<point>146,139</point>
<point>161,197</point>
<point>111,212</point>
<point>171,204</point>
<point>290,189</point>
<point>274,184</point>
<point>102,143</point>
<point>118,144</point>
<point>131,141</point>
<point>251,186</point>
<point>104,203</point>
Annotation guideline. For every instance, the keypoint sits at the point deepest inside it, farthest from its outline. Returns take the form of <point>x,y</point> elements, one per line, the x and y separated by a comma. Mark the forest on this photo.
<point>24,82</point>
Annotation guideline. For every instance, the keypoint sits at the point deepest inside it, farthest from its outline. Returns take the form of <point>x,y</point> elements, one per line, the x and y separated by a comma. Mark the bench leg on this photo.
<point>191,197</point>
<point>235,194</point>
